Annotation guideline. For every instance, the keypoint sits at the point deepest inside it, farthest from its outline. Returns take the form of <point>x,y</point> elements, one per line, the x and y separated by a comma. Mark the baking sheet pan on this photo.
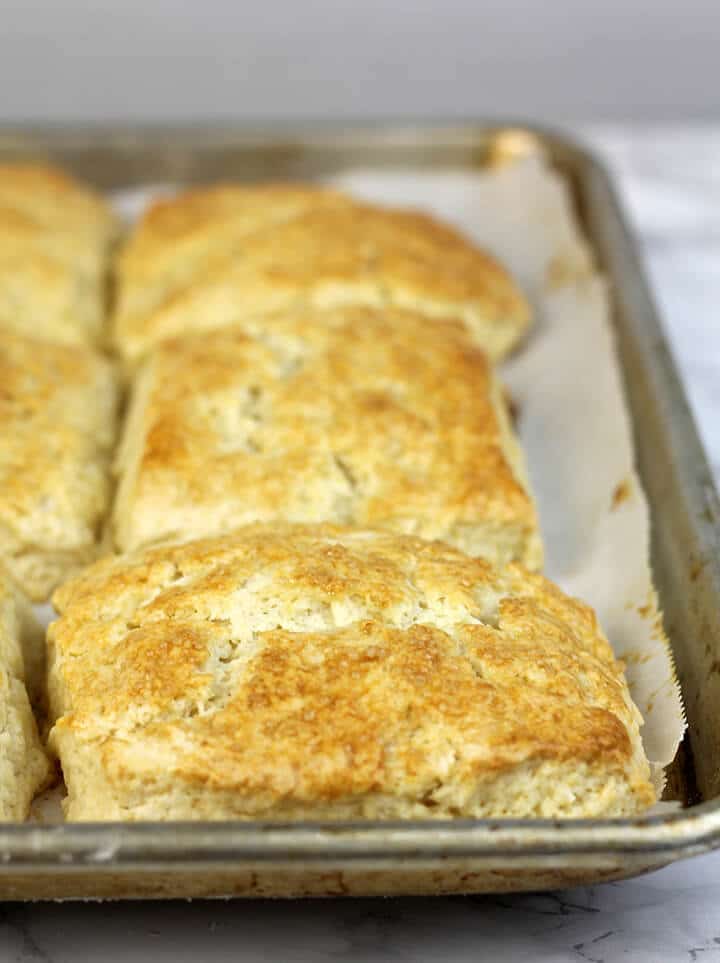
<point>247,859</point>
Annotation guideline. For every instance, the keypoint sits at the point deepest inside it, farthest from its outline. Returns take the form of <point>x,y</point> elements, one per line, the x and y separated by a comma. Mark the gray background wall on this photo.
<point>551,59</point>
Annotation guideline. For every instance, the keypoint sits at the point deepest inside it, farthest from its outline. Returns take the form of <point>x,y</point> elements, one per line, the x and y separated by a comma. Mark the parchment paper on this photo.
<point>573,420</point>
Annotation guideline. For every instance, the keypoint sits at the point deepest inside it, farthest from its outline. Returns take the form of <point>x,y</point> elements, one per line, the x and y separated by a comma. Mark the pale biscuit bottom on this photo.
<point>39,572</point>
<point>24,767</point>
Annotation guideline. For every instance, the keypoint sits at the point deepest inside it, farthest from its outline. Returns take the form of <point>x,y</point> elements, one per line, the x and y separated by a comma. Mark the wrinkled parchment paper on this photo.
<point>573,421</point>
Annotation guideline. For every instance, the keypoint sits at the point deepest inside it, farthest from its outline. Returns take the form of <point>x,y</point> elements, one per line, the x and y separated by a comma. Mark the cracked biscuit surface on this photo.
<point>210,258</point>
<point>354,415</point>
<point>57,427</point>
<point>55,236</point>
<point>300,672</point>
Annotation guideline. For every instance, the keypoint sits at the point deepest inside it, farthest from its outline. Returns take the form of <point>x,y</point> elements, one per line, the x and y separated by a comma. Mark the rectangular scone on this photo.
<point>24,767</point>
<point>57,428</point>
<point>354,415</point>
<point>317,672</point>
<point>55,239</point>
<point>209,258</point>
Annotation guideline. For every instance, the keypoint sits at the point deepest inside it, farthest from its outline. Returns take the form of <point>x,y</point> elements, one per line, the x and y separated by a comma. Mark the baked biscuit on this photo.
<point>210,259</point>
<point>55,236</point>
<point>57,426</point>
<point>315,672</point>
<point>381,418</point>
<point>24,767</point>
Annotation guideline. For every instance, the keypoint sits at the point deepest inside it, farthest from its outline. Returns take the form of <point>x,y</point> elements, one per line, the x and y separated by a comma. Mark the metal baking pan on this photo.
<point>250,859</point>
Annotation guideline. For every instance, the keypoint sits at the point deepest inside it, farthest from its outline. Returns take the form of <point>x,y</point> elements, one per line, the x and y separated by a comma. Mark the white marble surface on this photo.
<point>671,182</point>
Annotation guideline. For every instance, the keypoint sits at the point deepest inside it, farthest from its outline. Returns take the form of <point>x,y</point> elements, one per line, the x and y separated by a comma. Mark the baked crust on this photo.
<point>57,427</point>
<point>209,259</point>
<point>319,672</point>
<point>24,767</point>
<point>55,236</point>
<point>355,415</point>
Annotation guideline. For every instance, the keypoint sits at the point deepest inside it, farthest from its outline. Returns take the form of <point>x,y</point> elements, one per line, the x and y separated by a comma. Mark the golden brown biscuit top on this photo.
<point>240,210</point>
<point>381,418</point>
<point>56,429</point>
<point>53,197</point>
<point>285,246</point>
<point>177,236</point>
<point>45,208</point>
<point>55,236</point>
<point>385,660</point>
